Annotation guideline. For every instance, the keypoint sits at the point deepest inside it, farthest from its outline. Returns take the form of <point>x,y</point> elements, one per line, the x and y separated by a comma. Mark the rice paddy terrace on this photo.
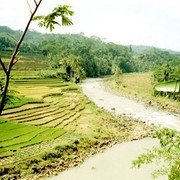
<point>61,107</point>
<point>59,119</point>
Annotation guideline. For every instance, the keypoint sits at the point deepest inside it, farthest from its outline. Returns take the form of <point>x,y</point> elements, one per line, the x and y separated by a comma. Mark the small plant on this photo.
<point>168,153</point>
<point>118,74</point>
<point>49,155</point>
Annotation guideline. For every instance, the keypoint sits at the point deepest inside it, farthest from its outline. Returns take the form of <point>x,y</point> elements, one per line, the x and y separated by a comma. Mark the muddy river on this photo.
<point>119,105</point>
<point>115,163</point>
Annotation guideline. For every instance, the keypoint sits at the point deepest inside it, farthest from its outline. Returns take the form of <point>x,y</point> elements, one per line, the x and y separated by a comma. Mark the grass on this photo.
<point>18,101</point>
<point>14,136</point>
<point>62,105</point>
<point>21,74</point>
<point>28,66</point>
<point>139,86</point>
<point>27,62</point>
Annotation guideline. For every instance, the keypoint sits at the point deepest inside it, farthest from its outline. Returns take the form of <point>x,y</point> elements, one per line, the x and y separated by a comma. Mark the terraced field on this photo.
<point>61,106</point>
<point>63,126</point>
<point>15,136</point>
<point>34,123</point>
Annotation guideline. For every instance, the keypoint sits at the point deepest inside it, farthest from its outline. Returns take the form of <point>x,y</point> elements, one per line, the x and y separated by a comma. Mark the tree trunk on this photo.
<point>14,59</point>
<point>4,93</point>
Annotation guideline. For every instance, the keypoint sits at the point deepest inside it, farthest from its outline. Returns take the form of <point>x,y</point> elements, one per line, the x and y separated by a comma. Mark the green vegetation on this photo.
<point>152,58</point>
<point>50,125</point>
<point>168,153</point>
<point>14,101</point>
<point>59,16</point>
<point>15,136</point>
<point>96,58</point>
<point>60,132</point>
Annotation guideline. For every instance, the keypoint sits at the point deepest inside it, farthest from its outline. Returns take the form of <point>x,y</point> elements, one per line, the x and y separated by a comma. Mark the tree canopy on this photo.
<point>97,57</point>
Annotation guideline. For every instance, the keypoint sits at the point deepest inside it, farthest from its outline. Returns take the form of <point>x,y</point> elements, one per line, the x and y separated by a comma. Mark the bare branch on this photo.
<point>16,60</point>
<point>3,66</point>
<point>22,37</point>
<point>35,2</point>
<point>29,6</point>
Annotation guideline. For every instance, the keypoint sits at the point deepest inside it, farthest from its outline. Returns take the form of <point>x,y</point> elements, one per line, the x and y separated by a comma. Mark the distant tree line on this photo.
<point>88,56</point>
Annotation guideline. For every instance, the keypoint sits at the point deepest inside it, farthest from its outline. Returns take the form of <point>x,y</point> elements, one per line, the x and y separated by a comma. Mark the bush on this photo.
<point>49,155</point>
<point>56,73</point>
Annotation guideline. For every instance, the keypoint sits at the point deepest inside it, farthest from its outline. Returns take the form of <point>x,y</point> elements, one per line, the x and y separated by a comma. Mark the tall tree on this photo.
<point>48,21</point>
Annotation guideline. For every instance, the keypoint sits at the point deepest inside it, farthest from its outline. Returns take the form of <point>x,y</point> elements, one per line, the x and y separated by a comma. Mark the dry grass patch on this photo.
<point>139,86</point>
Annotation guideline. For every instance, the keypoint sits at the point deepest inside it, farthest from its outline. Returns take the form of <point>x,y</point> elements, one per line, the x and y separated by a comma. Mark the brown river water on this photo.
<point>115,162</point>
<point>119,105</point>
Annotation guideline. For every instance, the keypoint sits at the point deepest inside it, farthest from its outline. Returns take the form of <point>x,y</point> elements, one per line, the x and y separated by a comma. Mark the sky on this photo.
<point>137,22</point>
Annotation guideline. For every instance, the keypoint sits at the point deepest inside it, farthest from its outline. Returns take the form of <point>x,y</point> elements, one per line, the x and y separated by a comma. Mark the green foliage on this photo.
<point>118,75</point>
<point>168,153</point>
<point>73,65</point>
<point>117,71</point>
<point>166,73</point>
<point>166,79</point>
<point>152,58</point>
<point>90,55</point>
<point>55,73</point>
<point>14,100</point>
<point>49,21</point>
<point>96,57</point>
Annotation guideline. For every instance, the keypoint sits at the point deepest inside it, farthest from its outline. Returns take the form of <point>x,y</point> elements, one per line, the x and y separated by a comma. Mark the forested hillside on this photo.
<point>87,55</point>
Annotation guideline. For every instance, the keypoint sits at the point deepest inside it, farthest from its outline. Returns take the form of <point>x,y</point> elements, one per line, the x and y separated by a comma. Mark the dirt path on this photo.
<point>123,106</point>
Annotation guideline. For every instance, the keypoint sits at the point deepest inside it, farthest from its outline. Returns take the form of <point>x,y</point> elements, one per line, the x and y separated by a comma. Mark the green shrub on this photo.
<point>168,153</point>
<point>17,101</point>
<point>55,73</point>
<point>49,155</point>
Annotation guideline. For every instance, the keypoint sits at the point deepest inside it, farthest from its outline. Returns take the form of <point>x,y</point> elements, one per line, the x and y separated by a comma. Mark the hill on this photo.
<point>142,49</point>
<point>90,55</point>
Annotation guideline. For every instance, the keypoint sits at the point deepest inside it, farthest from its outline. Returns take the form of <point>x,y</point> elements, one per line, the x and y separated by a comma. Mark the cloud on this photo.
<point>148,22</point>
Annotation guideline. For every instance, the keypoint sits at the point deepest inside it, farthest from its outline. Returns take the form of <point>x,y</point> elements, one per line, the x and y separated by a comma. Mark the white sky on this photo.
<point>139,22</point>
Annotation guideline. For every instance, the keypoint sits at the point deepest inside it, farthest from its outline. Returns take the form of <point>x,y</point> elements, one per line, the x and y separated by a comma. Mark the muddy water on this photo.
<point>123,106</point>
<point>115,163</point>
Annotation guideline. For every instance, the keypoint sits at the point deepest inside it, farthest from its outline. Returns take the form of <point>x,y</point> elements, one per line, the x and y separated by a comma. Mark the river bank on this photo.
<point>139,87</point>
<point>119,105</point>
<point>114,164</point>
